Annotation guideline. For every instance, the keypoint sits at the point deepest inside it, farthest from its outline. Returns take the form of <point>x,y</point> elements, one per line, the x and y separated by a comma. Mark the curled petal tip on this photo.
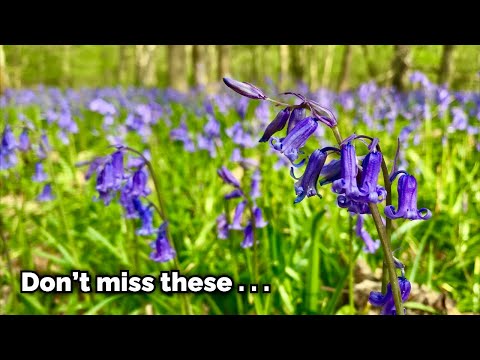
<point>245,89</point>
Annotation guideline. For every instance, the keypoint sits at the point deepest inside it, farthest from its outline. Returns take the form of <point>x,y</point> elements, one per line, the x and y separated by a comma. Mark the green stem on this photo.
<point>8,260</point>
<point>186,306</point>
<point>388,188</point>
<point>388,257</point>
<point>351,264</point>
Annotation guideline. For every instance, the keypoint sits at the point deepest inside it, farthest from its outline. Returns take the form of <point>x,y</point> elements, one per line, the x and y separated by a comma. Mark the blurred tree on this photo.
<point>284,65</point>
<point>66,79</point>
<point>16,66</point>
<point>223,60</point>
<point>327,66</point>
<point>446,64</point>
<point>123,64</point>
<point>371,68</point>
<point>344,76</point>
<point>400,65</point>
<point>297,64</point>
<point>145,65</point>
<point>4,82</point>
<point>200,73</point>
<point>312,52</point>
<point>177,67</point>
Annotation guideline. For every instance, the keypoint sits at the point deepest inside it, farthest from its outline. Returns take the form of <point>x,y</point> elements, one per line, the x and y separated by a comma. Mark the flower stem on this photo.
<point>388,257</point>
<point>186,308</point>
<point>8,260</point>
<point>351,265</point>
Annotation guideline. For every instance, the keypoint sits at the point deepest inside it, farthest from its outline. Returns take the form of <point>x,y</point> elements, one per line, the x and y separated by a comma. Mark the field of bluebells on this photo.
<point>146,180</point>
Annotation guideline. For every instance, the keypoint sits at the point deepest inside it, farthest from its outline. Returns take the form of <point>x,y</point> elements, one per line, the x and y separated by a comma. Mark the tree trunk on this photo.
<point>16,67</point>
<point>446,64</point>
<point>400,66</point>
<point>327,66</point>
<point>177,69</point>
<point>284,66</point>
<point>4,82</point>
<point>371,69</point>
<point>200,75</point>
<point>145,65</point>
<point>123,61</point>
<point>66,73</point>
<point>312,51</point>
<point>296,62</point>
<point>223,60</point>
<point>255,63</point>
<point>344,75</point>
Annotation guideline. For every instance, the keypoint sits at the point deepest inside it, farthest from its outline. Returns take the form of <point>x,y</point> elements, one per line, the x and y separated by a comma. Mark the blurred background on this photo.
<point>338,67</point>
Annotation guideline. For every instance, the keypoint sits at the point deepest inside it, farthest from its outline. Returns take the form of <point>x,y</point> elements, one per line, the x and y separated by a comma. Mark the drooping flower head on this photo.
<point>222,227</point>
<point>370,245</point>
<point>162,250</point>
<point>46,194</point>
<point>347,184</point>
<point>407,200</point>
<point>386,301</point>
<point>307,183</point>
<point>370,191</point>
<point>39,175</point>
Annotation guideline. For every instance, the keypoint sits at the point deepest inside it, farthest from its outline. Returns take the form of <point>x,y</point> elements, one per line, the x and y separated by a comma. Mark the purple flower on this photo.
<point>93,167</point>
<point>370,245</point>
<point>369,189</point>
<point>297,115</point>
<point>24,141</point>
<point>276,125</point>
<point>39,175</point>
<point>236,193</point>
<point>181,134</point>
<point>347,184</point>
<point>255,186</point>
<point>8,143</point>
<point>460,119</point>
<point>407,200</point>
<point>386,301</point>
<point>239,136</point>
<point>118,171</point>
<point>46,194</point>
<point>105,183</point>
<point>353,206</point>
<point>296,139</point>
<point>228,177</point>
<point>331,172</point>
<point>163,251</point>
<point>247,236</point>
<point>307,183</point>
<point>245,89</point>
<point>146,217</point>
<point>129,203</point>
<point>237,217</point>
<point>137,184</point>
<point>259,220</point>
<point>222,227</point>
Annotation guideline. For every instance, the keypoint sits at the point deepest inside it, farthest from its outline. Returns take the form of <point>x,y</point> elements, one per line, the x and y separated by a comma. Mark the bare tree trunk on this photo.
<point>16,67</point>
<point>199,65</point>
<point>223,60</point>
<point>122,70</point>
<point>284,66</point>
<point>400,66</point>
<point>177,69</point>
<point>255,63</point>
<point>312,51</point>
<point>327,66</point>
<point>66,73</point>
<point>371,69</point>
<point>145,65</point>
<point>446,64</point>
<point>296,62</point>
<point>344,76</point>
<point>4,81</point>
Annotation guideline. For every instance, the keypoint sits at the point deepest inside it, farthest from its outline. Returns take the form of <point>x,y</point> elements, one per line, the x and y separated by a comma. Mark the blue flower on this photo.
<point>347,184</point>
<point>222,227</point>
<point>386,301</point>
<point>40,175</point>
<point>237,217</point>
<point>407,200</point>
<point>307,183</point>
<point>163,251</point>
<point>276,125</point>
<point>370,245</point>
<point>46,194</point>
<point>228,177</point>
<point>247,236</point>
<point>370,191</point>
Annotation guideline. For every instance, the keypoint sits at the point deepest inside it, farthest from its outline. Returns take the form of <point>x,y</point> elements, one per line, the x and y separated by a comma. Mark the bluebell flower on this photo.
<point>137,184</point>
<point>247,236</point>
<point>46,194</point>
<point>222,227</point>
<point>330,172</point>
<point>347,184</point>
<point>307,183</point>
<point>39,175</point>
<point>290,145</point>
<point>118,171</point>
<point>407,200</point>
<point>255,185</point>
<point>259,220</point>
<point>237,217</point>
<point>245,89</point>
<point>163,251</point>
<point>228,177</point>
<point>146,217</point>
<point>8,141</point>
<point>129,203</point>
<point>24,141</point>
<point>386,301</point>
<point>370,191</point>
<point>297,115</point>
<point>370,245</point>
<point>181,134</point>
<point>353,206</point>
<point>276,125</point>
<point>239,136</point>
<point>236,193</point>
